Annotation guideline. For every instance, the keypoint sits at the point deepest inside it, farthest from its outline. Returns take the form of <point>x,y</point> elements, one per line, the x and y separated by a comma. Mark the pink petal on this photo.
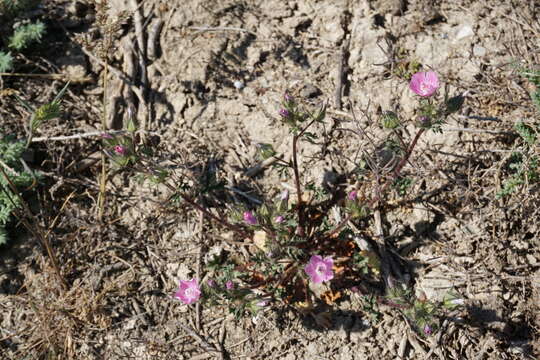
<point>188,291</point>
<point>424,83</point>
<point>311,269</point>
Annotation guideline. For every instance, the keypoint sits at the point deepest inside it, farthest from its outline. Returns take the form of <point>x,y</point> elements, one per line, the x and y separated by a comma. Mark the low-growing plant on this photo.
<point>523,165</point>
<point>16,177</point>
<point>22,36</point>
<point>295,245</point>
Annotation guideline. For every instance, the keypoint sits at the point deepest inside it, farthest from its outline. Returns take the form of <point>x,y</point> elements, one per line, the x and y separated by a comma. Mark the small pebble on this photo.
<point>238,84</point>
<point>464,31</point>
<point>479,50</point>
<point>310,91</point>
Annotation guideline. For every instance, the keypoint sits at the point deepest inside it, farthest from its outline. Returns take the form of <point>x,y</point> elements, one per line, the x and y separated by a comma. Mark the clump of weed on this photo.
<point>16,177</point>
<point>524,165</point>
<point>293,243</point>
<point>26,33</point>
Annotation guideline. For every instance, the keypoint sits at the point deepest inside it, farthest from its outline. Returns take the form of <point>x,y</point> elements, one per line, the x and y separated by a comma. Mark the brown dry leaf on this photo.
<point>330,296</point>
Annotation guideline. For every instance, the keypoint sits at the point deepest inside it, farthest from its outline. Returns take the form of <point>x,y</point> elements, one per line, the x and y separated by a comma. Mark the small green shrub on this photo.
<point>16,175</point>
<point>524,165</point>
<point>12,8</point>
<point>6,61</point>
<point>534,77</point>
<point>23,36</point>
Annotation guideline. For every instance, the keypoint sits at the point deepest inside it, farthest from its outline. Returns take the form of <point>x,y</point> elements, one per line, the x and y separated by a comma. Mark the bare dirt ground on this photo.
<point>120,272</point>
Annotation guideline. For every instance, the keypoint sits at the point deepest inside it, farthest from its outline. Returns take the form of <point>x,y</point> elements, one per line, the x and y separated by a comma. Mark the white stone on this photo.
<point>464,31</point>
<point>238,84</point>
<point>479,50</point>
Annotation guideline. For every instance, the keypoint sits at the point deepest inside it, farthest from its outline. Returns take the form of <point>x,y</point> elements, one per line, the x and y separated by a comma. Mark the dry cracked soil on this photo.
<point>215,74</point>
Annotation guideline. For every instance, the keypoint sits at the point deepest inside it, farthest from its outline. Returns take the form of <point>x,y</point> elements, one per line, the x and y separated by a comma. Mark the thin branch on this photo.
<point>235,228</point>
<point>372,204</point>
<point>300,205</point>
<point>76,136</point>
<point>222,28</point>
<point>205,344</point>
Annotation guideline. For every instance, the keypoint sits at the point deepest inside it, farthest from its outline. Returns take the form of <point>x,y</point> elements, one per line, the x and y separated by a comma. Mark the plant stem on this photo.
<point>300,205</point>
<point>103,174</point>
<point>225,223</point>
<point>397,172</point>
<point>401,164</point>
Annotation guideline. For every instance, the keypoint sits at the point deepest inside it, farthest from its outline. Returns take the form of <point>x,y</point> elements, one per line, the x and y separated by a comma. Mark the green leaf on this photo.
<point>24,35</point>
<point>6,62</point>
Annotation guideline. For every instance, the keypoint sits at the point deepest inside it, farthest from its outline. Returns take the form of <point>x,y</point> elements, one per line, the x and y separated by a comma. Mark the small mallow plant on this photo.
<point>189,291</point>
<point>296,246</point>
<point>319,269</point>
<point>424,83</point>
<point>293,249</point>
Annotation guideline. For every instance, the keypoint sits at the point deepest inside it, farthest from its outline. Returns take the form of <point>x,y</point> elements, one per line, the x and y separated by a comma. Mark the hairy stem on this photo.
<point>300,205</point>
<point>397,171</point>
<point>237,229</point>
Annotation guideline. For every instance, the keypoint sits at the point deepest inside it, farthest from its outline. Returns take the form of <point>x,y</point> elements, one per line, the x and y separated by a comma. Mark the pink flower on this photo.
<point>319,269</point>
<point>279,219</point>
<point>120,150</point>
<point>424,83</point>
<point>188,292</point>
<point>352,195</point>
<point>229,285</point>
<point>262,303</point>
<point>250,218</point>
<point>428,330</point>
<point>284,113</point>
<point>211,283</point>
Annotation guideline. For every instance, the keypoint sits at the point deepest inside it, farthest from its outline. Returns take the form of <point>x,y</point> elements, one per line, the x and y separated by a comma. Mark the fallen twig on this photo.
<point>341,70</point>
<point>153,39</point>
<point>223,28</point>
<point>205,344</point>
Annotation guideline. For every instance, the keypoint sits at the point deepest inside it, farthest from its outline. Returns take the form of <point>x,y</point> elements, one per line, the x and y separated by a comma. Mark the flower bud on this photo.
<point>424,122</point>
<point>250,218</point>
<point>120,150</point>
<point>390,120</point>
<point>284,113</point>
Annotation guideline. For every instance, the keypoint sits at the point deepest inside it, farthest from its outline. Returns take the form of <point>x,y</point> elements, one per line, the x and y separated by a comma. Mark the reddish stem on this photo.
<point>397,172</point>
<point>300,205</point>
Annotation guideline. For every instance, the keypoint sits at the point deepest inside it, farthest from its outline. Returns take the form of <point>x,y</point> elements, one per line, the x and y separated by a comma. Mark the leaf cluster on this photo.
<point>24,35</point>
<point>14,175</point>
